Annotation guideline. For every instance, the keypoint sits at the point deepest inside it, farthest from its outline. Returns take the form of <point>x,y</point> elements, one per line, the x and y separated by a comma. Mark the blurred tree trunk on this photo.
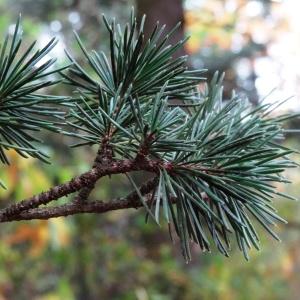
<point>168,12</point>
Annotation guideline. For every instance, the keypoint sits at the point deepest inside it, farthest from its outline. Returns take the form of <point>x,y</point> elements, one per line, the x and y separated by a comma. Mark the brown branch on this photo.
<point>102,159</point>
<point>71,209</point>
<point>78,183</point>
<point>131,201</point>
<point>143,151</point>
<point>94,207</point>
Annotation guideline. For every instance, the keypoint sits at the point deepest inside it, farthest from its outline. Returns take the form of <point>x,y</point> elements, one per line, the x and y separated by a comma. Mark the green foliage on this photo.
<point>23,108</point>
<point>219,160</point>
<point>226,156</point>
<point>137,66</point>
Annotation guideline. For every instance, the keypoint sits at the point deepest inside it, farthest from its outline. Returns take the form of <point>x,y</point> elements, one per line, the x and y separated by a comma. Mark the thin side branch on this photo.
<point>103,158</point>
<point>77,183</point>
<point>95,207</point>
<point>71,209</point>
<point>131,201</point>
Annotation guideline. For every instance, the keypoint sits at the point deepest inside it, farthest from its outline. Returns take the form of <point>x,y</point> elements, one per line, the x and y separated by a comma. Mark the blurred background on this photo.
<point>116,255</point>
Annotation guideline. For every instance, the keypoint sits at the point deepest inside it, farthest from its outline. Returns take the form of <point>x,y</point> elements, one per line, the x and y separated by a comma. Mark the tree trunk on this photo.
<point>168,12</point>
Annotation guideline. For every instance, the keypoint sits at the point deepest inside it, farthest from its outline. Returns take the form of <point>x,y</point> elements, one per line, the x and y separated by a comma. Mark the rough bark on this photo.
<point>168,12</point>
<point>28,208</point>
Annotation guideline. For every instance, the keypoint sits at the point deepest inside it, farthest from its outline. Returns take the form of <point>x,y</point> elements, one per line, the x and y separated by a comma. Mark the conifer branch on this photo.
<point>103,158</point>
<point>215,162</point>
<point>130,201</point>
<point>79,182</point>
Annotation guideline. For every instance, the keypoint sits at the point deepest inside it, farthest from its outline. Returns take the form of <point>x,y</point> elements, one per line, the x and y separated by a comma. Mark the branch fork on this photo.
<point>84,184</point>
